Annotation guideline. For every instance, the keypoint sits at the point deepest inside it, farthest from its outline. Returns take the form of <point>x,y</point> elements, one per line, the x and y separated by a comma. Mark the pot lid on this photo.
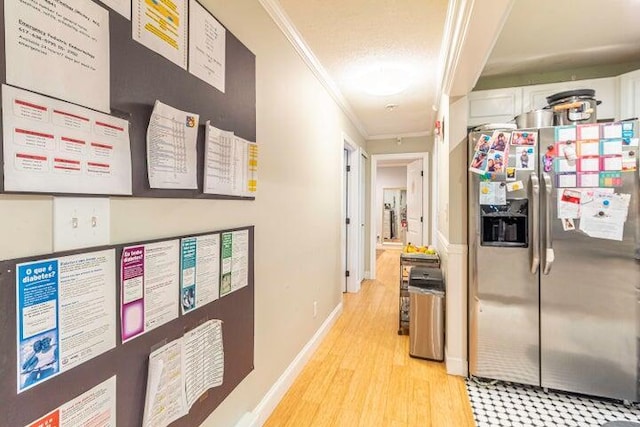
<point>588,93</point>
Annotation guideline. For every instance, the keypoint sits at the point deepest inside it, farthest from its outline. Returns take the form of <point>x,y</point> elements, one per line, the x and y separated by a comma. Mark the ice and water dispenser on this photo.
<point>505,225</point>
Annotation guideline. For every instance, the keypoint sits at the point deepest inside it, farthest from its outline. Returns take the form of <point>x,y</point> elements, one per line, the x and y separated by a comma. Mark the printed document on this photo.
<point>94,408</point>
<point>207,46</point>
<point>199,271</point>
<point>171,148</point>
<point>66,314</point>
<point>150,284</point>
<point>235,261</point>
<point>162,26</point>
<point>59,48</point>
<point>181,371</point>
<point>52,146</point>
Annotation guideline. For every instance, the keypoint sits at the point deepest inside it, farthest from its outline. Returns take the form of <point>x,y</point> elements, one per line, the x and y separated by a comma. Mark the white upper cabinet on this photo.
<point>630,95</point>
<point>619,96</point>
<point>535,97</point>
<point>494,106</point>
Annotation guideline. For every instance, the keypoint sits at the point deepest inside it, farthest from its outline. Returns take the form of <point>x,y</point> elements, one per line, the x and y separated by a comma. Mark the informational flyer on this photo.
<point>235,261</point>
<point>94,408</point>
<point>65,314</point>
<point>52,146</point>
<point>123,7</point>
<point>59,48</point>
<point>149,276</point>
<point>182,371</point>
<point>231,164</point>
<point>162,26</point>
<point>199,271</point>
<point>218,176</point>
<point>603,215</point>
<point>203,358</point>
<point>165,399</point>
<point>493,193</point>
<point>207,46</point>
<point>172,160</point>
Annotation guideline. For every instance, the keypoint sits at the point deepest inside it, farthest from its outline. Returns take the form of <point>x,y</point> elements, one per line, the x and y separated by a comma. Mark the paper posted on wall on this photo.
<point>94,408</point>
<point>604,215</point>
<point>181,371</point>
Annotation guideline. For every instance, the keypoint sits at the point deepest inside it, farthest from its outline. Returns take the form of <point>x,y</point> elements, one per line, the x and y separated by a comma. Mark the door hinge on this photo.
<point>348,168</point>
<point>348,221</point>
<point>421,219</point>
<point>346,273</point>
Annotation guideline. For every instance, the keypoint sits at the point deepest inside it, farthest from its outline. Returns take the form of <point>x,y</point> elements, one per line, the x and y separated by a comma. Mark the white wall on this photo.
<point>387,177</point>
<point>297,212</point>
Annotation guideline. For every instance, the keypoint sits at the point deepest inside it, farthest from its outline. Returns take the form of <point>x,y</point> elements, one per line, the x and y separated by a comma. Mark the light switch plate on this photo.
<point>80,222</point>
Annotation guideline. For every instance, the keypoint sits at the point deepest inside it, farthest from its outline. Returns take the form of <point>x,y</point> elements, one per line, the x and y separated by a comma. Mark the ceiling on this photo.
<point>362,43</point>
<point>551,35</point>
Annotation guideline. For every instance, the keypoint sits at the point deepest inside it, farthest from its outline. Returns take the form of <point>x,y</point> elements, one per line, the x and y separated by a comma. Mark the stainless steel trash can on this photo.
<point>426,313</point>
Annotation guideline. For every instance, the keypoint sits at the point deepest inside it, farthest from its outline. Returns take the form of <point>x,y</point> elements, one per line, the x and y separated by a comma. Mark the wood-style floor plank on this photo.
<point>362,374</point>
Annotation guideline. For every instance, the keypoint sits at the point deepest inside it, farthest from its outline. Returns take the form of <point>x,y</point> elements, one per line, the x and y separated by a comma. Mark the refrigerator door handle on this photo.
<point>549,255</point>
<point>535,189</point>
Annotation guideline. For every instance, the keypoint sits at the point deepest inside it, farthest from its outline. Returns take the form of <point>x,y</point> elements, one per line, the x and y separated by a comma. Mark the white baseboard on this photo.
<point>367,275</point>
<point>263,410</point>
<point>456,366</point>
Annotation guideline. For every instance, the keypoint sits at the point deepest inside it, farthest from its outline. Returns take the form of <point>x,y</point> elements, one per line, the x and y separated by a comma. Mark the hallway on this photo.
<point>362,375</point>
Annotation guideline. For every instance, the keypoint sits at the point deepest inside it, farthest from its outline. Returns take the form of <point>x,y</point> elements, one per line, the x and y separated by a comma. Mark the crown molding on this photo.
<point>283,22</point>
<point>400,135</point>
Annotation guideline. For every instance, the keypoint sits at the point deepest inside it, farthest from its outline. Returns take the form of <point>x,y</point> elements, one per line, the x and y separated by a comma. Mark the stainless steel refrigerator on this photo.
<point>550,307</point>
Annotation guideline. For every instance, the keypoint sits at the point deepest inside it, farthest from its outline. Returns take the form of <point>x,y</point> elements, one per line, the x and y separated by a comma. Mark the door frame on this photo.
<point>352,235</point>
<point>426,230</point>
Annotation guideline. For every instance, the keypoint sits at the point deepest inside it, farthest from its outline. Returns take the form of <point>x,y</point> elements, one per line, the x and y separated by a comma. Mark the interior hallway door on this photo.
<point>414,202</point>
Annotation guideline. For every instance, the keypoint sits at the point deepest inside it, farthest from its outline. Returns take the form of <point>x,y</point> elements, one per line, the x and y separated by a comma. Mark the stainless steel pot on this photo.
<point>535,119</point>
<point>574,107</point>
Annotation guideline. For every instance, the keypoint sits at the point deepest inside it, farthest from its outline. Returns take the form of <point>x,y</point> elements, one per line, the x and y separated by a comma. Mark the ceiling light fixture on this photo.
<point>391,107</point>
<point>385,79</point>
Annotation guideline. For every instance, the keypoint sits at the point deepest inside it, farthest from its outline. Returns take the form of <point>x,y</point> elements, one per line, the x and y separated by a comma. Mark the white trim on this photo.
<point>263,410</point>
<point>279,16</point>
<point>353,281</point>
<point>401,135</point>
<point>426,189</point>
<point>367,275</point>
<point>456,366</point>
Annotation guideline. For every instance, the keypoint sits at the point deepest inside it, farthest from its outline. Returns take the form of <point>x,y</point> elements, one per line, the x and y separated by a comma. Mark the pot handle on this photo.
<point>569,106</point>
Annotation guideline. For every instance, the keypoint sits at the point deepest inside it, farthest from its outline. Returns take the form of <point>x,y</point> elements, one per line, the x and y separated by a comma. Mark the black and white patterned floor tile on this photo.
<point>510,405</point>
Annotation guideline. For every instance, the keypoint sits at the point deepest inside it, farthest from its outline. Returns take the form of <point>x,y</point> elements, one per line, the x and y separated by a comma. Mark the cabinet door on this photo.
<point>630,95</point>
<point>494,106</point>
<point>535,97</point>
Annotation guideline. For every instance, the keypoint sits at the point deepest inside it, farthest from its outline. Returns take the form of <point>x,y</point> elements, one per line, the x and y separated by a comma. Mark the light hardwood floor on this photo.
<point>362,375</point>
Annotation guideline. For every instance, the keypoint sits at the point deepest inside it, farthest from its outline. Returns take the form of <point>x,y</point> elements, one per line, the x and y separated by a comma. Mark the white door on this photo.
<point>414,202</point>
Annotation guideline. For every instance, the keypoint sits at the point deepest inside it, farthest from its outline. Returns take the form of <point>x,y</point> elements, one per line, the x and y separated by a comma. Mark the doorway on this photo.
<point>399,211</point>
<point>353,226</point>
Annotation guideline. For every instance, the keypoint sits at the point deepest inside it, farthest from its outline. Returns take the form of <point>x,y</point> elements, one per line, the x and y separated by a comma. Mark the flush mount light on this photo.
<point>385,79</point>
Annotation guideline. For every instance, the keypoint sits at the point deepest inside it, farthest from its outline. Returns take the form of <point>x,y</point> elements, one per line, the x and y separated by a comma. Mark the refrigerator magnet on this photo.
<point>610,179</point>
<point>514,186</point>
<point>568,224</point>
<point>589,131</point>
<point>511,174</point>
<point>565,133</point>
<point>524,138</point>
<point>611,163</point>
<point>525,158</point>
<point>589,180</point>
<point>611,147</point>
<point>629,161</point>
<point>612,131</point>
<point>564,165</point>
<point>589,164</point>
<point>589,148</point>
<point>627,132</point>
<point>566,180</point>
